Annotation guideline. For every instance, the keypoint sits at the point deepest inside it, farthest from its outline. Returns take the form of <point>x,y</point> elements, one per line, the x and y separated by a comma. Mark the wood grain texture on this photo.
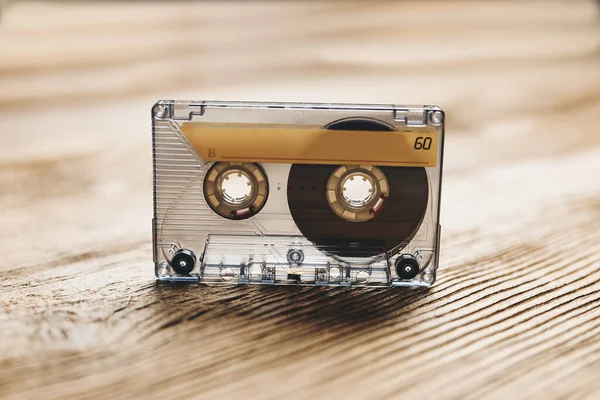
<point>516,310</point>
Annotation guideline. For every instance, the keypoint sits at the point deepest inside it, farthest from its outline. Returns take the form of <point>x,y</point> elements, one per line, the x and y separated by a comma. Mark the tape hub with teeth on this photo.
<point>236,190</point>
<point>357,193</point>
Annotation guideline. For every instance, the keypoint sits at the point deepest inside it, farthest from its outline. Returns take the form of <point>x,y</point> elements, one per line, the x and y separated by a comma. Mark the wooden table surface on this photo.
<point>516,310</point>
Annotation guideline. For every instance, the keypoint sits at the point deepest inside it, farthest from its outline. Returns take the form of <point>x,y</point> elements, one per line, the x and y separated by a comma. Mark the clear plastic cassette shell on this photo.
<point>264,230</point>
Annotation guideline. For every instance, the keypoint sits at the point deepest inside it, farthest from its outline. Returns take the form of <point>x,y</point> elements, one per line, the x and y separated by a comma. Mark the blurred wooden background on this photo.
<point>516,310</point>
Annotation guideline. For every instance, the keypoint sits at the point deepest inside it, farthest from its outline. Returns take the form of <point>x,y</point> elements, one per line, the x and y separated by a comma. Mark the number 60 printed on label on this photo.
<point>422,143</point>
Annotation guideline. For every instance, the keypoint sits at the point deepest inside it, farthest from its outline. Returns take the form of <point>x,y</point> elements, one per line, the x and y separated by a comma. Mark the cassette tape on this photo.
<point>296,193</point>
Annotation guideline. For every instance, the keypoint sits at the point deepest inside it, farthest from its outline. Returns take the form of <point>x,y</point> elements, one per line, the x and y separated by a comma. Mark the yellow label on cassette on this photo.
<point>302,144</point>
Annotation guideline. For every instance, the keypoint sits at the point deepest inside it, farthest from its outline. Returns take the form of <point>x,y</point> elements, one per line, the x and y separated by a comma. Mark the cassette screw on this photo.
<point>427,276</point>
<point>436,117</point>
<point>295,256</point>
<point>160,111</point>
<point>183,261</point>
<point>407,266</point>
<point>163,270</point>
